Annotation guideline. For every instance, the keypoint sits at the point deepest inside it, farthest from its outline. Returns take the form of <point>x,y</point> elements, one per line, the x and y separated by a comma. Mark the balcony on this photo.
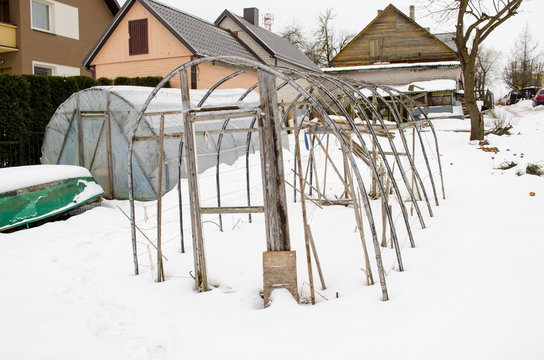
<point>8,42</point>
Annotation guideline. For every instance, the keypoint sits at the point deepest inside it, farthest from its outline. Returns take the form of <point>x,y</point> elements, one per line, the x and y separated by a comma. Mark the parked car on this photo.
<point>539,98</point>
<point>513,97</point>
<point>530,92</point>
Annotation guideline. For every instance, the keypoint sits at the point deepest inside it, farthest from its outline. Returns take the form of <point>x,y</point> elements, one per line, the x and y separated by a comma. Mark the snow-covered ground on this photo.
<point>472,288</point>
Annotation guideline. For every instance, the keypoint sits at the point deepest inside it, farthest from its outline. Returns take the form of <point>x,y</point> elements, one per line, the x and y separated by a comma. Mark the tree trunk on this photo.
<point>476,123</point>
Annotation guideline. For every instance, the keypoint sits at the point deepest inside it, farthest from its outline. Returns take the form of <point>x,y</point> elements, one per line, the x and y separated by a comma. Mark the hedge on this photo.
<point>28,101</point>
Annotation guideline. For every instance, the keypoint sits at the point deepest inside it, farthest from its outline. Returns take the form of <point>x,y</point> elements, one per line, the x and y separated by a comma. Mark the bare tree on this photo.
<point>326,41</point>
<point>475,21</point>
<point>524,68</point>
<point>294,33</point>
<point>485,71</point>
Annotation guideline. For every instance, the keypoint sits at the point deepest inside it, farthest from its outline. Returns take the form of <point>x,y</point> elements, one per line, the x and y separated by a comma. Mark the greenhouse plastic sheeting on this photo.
<point>89,109</point>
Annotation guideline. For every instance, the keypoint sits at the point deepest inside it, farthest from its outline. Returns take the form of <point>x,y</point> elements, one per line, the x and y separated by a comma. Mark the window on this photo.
<point>137,37</point>
<point>41,70</point>
<point>4,11</point>
<point>48,69</point>
<point>40,16</point>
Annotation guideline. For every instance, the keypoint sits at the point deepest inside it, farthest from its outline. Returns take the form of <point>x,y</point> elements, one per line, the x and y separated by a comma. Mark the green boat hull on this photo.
<point>35,203</point>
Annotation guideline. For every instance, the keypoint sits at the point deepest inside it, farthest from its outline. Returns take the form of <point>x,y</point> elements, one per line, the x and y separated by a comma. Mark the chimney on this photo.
<point>413,12</point>
<point>379,12</point>
<point>252,15</point>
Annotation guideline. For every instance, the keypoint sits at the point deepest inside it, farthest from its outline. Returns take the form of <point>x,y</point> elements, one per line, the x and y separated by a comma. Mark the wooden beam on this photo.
<point>275,200</point>
<point>232,210</point>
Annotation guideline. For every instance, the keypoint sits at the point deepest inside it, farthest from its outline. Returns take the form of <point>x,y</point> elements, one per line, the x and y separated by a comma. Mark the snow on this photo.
<point>429,86</point>
<point>23,176</point>
<point>472,286</point>
<point>170,98</point>
<point>392,66</point>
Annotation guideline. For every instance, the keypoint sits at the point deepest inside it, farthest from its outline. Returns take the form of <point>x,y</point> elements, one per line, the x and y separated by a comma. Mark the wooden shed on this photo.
<point>393,37</point>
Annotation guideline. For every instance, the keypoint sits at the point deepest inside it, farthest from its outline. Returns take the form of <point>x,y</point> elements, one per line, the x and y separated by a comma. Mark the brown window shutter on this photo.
<point>137,32</point>
<point>194,77</point>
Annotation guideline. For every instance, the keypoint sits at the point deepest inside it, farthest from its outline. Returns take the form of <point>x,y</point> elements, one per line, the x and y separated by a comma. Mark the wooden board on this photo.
<point>279,272</point>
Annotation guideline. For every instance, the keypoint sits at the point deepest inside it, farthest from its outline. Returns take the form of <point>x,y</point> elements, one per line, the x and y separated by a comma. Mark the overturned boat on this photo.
<point>35,193</point>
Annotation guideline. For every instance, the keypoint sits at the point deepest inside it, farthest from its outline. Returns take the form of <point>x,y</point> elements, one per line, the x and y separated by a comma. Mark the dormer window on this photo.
<point>137,37</point>
<point>40,16</point>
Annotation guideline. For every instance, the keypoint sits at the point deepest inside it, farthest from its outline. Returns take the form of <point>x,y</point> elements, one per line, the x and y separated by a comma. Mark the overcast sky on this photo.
<point>352,16</point>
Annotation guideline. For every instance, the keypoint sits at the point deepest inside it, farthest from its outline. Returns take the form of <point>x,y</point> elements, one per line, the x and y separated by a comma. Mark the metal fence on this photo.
<point>25,149</point>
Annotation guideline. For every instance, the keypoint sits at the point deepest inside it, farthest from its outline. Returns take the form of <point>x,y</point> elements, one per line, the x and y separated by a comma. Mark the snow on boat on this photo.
<point>33,193</point>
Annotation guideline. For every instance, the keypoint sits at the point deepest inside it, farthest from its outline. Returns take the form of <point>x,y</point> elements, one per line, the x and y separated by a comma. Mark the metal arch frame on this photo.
<point>258,66</point>
<point>382,154</point>
<point>420,141</point>
<point>396,118</point>
<point>367,153</point>
<point>429,122</point>
<point>313,102</point>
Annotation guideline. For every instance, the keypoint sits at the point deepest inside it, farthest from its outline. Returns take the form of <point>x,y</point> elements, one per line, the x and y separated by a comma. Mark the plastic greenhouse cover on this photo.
<point>123,104</point>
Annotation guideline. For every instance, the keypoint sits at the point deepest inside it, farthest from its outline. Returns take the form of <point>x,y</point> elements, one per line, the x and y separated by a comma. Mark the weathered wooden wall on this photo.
<point>393,37</point>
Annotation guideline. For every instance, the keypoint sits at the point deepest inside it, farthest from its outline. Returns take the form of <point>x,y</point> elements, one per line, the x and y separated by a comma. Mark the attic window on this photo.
<point>137,37</point>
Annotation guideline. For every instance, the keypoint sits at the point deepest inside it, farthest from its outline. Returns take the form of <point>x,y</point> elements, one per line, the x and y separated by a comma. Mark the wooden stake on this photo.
<point>316,259</point>
<point>201,278</point>
<point>325,171</point>
<point>160,269</point>
<point>304,218</point>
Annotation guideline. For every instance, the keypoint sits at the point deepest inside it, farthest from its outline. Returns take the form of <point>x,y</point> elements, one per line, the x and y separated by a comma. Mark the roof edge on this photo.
<point>113,25</point>
<point>234,17</point>
<point>114,6</point>
<point>106,34</point>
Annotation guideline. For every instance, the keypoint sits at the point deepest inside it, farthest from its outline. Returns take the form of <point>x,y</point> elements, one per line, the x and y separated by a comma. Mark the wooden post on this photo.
<point>201,278</point>
<point>279,265</point>
<point>160,268</point>
<point>107,119</point>
<point>325,171</point>
<point>275,201</point>
<point>373,191</point>
<point>80,146</point>
<point>304,217</point>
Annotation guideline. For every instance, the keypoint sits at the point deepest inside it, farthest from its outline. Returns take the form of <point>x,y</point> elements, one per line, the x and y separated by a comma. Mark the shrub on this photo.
<point>84,82</point>
<point>41,108</point>
<point>534,169</point>
<point>500,127</point>
<point>506,165</point>
<point>61,89</point>
<point>14,105</point>
<point>104,81</point>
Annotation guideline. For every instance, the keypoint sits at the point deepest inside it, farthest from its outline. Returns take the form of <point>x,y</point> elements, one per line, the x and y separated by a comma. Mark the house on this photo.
<point>148,38</point>
<point>395,50</point>
<point>50,37</point>
<point>272,49</point>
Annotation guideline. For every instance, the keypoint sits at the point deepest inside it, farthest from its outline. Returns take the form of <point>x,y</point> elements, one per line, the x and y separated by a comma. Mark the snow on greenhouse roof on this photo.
<point>170,99</point>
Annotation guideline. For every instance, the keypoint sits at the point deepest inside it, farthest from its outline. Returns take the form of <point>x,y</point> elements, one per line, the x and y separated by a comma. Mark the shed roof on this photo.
<point>448,39</point>
<point>200,37</point>
<point>274,44</point>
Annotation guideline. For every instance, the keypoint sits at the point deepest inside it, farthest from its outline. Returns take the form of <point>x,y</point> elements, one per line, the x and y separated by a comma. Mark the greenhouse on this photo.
<point>93,129</point>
